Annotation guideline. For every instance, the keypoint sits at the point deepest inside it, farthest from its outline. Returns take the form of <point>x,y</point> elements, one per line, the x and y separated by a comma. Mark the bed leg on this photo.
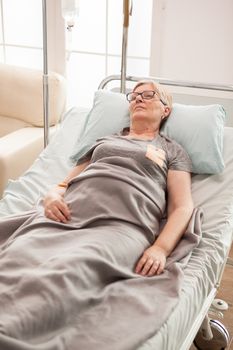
<point>206,329</point>
<point>212,335</point>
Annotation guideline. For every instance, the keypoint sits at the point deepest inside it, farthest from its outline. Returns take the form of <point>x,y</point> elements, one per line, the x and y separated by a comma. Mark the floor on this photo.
<point>226,293</point>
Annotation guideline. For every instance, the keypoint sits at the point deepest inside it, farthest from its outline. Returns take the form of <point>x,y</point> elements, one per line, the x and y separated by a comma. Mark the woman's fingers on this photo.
<point>59,215</point>
<point>64,209</point>
<point>148,266</point>
<point>144,265</point>
<point>49,214</point>
<point>140,264</point>
<point>161,268</point>
<point>155,268</point>
<point>58,211</point>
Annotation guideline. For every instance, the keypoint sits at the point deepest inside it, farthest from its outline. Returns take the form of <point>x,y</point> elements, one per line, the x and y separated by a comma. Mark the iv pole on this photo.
<point>70,9</point>
<point>126,12</point>
<point>45,75</point>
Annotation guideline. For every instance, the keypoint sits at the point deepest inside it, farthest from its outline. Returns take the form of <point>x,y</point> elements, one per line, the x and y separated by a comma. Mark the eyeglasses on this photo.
<point>146,95</point>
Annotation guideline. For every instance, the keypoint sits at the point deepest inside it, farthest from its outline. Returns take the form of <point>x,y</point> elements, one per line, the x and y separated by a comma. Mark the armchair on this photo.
<point>21,117</point>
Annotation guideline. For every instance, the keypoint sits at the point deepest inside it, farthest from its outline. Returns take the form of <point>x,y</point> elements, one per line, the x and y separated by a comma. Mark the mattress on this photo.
<point>213,193</point>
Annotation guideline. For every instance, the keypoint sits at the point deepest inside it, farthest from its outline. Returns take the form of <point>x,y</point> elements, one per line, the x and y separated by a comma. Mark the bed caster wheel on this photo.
<point>220,339</point>
<point>220,304</point>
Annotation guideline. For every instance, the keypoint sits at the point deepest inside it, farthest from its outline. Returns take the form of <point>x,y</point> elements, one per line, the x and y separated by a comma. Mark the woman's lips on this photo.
<point>139,107</point>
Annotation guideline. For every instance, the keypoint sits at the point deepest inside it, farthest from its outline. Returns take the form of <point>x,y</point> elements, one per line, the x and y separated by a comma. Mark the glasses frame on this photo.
<point>144,98</point>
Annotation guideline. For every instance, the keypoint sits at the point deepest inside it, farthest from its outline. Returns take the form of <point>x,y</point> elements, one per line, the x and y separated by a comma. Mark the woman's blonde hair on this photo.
<point>164,94</point>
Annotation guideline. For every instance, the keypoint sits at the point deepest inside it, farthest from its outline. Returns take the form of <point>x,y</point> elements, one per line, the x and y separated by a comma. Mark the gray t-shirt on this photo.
<point>162,151</point>
<point>136,170</point>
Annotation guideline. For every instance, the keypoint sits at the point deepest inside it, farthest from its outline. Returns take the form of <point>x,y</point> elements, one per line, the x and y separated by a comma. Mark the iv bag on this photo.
<point>70,10</point>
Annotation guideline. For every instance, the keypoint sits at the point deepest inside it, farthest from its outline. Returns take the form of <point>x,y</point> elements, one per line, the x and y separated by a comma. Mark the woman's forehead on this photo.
<point>145,86</point>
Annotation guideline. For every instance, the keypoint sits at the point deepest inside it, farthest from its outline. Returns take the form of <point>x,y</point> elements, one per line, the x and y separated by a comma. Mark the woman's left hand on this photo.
<point>152,262</point>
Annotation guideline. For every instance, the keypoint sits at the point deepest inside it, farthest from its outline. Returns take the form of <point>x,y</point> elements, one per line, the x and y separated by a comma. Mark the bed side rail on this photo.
<point>170,82</point>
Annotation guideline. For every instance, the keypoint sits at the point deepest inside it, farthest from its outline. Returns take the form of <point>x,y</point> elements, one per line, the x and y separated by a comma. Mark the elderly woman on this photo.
<point>151,165</point>
<point>93,267</point>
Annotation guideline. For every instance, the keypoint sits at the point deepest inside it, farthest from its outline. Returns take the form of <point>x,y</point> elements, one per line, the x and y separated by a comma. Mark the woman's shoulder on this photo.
<point>108,137</point>
<point>170,143</point>
<point>176,152</point>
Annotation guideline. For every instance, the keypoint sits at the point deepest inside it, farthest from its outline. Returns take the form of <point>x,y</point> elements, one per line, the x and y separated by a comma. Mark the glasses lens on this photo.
<point>131,96</point>
<point>147,95</point>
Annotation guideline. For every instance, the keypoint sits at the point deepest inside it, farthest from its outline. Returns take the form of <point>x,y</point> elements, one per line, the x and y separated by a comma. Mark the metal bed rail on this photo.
<point>170,82</point>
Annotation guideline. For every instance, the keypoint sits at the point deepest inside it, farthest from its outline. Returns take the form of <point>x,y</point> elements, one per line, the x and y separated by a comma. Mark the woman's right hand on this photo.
<point>55,207</point>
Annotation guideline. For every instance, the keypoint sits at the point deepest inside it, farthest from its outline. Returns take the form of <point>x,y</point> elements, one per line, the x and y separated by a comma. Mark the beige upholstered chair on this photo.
<point>21,117</point>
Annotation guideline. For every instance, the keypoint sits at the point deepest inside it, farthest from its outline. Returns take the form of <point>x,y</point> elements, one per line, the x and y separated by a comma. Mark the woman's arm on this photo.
<point>55,207</point>
<point>180,208</point>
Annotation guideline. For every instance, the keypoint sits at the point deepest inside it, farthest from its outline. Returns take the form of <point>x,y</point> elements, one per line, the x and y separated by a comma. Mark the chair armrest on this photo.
<point>21,94</point>
<point>18,150</point>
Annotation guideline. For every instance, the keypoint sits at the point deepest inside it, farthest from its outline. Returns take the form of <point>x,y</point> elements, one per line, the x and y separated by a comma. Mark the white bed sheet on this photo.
<point>49,168</point>
<point>213,193</point>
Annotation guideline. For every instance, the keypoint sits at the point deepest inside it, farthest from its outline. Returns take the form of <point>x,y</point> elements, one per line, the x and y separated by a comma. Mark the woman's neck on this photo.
<point>143,131</point>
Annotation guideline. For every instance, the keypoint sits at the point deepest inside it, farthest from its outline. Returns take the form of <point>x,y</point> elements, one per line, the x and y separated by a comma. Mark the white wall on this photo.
<point>193,40</point>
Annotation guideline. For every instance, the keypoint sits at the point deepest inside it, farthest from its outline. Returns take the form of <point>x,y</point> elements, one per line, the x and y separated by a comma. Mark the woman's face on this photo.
<point>149,110</point>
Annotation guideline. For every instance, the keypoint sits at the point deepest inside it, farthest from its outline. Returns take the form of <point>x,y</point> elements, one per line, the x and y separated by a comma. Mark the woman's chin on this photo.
<point>139,114</point>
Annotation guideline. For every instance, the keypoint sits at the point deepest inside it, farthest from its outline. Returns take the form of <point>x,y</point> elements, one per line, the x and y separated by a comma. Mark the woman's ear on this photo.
<point>167,111</point>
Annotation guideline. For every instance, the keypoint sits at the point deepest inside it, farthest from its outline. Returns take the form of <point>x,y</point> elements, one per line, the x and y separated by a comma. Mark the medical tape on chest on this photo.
<point>157,155</point>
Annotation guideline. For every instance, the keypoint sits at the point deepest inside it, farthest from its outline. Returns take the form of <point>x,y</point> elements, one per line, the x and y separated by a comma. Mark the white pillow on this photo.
<point>199,129</point>
<point>109,115</point>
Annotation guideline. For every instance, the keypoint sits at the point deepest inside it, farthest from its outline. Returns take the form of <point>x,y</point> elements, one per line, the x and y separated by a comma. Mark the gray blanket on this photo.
<point>72,286</point>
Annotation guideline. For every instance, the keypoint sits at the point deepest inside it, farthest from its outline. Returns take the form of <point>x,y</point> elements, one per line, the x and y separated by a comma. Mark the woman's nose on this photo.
<point>139,98</point>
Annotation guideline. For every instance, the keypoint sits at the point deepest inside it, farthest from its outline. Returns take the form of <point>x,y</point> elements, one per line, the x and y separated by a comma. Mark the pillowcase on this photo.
<point>200,130</point>
<point>109,115</point>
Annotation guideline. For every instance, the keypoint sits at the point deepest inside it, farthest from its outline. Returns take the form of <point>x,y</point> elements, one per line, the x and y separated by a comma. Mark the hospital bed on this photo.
<point>214,193</point>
